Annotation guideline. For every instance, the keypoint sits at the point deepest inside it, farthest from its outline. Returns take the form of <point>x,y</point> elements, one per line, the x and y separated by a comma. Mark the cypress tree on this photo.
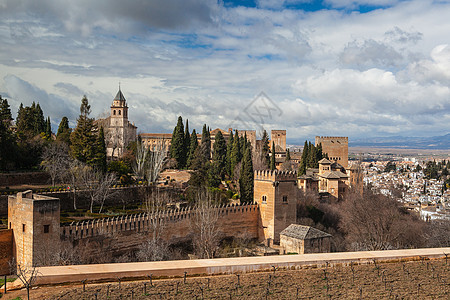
<point>63,133</point>
<point>272,158</point>
<point>187,141</point>
<point>206,143</point>
<point>39,120</point>
<point>229,150</point>
<point>312,157</point>
<point>48,129</point>
<point>83,140</point>
<point>99,159</point>
<point>235,153</point>
<point>302,168</point>
<point>319,153</point>
<point>247,176</point>
<point>193,145</point>
<point>288,155</point>
<point>177,148</point>
<point>220,154</point>
<point>265,148</point>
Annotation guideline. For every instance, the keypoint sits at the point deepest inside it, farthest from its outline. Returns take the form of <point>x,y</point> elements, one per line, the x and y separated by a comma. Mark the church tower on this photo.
<point>119,132</point>
<point>119,110</point>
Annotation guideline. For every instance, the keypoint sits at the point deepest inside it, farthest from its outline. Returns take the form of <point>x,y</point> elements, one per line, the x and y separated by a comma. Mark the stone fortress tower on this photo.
<point>275,192</point>
<point>35,220</point>
<point>335,147</point>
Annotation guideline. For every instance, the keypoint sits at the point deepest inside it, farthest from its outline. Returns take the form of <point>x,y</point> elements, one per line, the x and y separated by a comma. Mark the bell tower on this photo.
<point>119,110</point>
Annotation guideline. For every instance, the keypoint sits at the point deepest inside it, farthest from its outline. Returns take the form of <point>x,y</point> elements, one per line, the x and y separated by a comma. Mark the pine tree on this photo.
<point>303,163</point>
<point>206,143</point>
<point>288,155</point>
<point>247,176</point>
<point>272,158</point>
<point>82,138</point>
<point>265,148</point>
<point>229,150</point>
<point>177,147</point>
<point>63,133</point>
<point>220,154</point>
<point>5,111</point>
<point>193,145</point>
<point>235,153</point>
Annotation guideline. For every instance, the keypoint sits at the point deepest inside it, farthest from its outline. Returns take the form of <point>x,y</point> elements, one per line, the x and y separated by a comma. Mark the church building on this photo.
<point>119,132</point>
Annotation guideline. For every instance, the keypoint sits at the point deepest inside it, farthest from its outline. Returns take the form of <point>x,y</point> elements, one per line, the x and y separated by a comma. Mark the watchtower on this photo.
<point>276,195</point>
<point>336,147</point>
<point>35,222</point>
<point>278,137</point>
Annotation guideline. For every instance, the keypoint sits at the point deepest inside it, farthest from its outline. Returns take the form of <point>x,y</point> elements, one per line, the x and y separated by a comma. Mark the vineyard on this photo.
<point>421,279</point>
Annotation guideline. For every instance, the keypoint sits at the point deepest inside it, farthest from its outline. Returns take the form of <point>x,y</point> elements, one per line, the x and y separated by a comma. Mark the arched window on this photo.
<point>119,112</point>
<point>264,199</point>
<point>114,112</point>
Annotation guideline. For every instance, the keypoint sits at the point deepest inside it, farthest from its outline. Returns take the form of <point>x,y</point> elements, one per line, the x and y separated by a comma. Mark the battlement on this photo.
<point>269,175</point>
<point>142,222</point>
<point>329,138</point>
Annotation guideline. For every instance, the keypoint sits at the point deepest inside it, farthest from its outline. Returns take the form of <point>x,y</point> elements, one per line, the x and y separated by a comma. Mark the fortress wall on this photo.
<point>119,235</point>
<point>6,250</point>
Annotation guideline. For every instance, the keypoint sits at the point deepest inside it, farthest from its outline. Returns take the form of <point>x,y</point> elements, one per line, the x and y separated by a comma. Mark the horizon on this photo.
<point>362,69</point>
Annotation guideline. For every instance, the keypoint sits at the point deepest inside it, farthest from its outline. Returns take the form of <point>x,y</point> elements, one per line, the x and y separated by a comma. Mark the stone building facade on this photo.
<point>119,132</point>
<point>302,239</point>
<point>35,222</point>
<point>335,147</point>
<point>275,192</point>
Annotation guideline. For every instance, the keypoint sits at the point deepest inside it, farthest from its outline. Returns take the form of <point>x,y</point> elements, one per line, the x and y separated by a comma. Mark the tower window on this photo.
<point>114,112</point>
<point>23,227</point>
<point>46,228</point>
<point>285,199</point>
<point>119,112</point>
<point>264,199</point>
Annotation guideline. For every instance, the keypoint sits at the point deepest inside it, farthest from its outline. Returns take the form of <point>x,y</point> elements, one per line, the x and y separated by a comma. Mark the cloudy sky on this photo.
<point>357,68</point>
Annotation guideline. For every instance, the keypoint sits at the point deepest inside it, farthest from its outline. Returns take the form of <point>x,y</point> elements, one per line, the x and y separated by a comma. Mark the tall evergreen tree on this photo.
<point>187,141</point>
<point>83,139</point>
<point>319,152</point>
<point>193,145</point>
<point>303,162</point>
<point>99,159</point>
<point>48,129</point>
<point>265,147</point>
<point>5,111</point>
<point>312,161</point>
<point>288,155</point>
<point>63,133</point>
<point>206,143</point>
<point>177,147</point>
<point>235,153</point>
<point>247,176</point>
<point>272,158</point>
<point>229,150</point>
<point>39,120</point>
<point>220,154</point>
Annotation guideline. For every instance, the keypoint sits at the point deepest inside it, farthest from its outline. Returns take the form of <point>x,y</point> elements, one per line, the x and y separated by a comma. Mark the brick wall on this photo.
<point>6,250</point>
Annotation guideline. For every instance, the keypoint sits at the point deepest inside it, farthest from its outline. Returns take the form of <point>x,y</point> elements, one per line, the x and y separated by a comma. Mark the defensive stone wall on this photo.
<point>121,234</point>
<point>13,179</point>
<point>269,175</point>
<point>6,250</point>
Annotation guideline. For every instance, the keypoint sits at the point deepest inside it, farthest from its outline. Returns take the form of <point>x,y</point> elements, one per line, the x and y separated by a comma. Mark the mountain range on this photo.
<point>433,142</point>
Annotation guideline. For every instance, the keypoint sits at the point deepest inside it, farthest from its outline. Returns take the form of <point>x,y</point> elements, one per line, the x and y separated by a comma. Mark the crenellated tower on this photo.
<point>276,194</point>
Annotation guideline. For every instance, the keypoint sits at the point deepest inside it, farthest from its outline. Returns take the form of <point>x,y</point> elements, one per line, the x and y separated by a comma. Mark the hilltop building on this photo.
<point>119,132</point>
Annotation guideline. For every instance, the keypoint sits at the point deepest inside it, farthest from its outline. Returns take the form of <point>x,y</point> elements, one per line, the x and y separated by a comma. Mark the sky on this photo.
<point>356,68</point>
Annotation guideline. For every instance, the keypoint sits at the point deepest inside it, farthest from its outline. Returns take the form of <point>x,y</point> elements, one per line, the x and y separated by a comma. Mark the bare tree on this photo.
<point>149,162</point>
<point>205,225</point>
<point>55,160</point>
<point>74,175</point>
<point>156,248</point>
<point>377,222</point>
<point>98,186</point>
<point>27,276</point>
